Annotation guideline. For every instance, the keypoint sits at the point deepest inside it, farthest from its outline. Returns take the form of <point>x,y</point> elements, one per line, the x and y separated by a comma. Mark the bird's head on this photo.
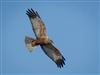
<point>51,41</point>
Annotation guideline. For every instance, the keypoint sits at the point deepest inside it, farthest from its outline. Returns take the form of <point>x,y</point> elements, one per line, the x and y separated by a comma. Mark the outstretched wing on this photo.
<point>54,54</point>
<point>37,24</point>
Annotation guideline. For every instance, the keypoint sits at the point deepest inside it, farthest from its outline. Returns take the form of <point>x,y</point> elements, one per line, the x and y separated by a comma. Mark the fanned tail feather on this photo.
<point>29,42</point>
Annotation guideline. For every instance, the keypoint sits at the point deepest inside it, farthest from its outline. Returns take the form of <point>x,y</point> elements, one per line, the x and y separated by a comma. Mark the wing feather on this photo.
<point>37,24</point>
<point>54,54</point>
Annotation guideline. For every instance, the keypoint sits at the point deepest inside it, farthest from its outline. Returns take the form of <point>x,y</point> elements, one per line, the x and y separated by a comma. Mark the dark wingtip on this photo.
<point>38,14</point>
<point>31,13</point>
<point>63,58</point>
<point>60,63</point>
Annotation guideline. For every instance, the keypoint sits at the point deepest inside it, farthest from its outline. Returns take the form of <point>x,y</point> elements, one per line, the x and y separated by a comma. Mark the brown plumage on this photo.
<point>42,39</point>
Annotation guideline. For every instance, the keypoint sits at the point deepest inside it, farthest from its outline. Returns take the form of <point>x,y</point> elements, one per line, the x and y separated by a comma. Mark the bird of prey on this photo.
<point>42,39</point>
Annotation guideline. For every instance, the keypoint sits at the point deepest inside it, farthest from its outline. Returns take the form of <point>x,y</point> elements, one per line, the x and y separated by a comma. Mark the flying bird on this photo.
<point>42,39</point>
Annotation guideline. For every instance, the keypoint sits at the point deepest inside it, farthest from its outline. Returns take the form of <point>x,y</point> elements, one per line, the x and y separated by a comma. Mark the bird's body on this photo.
<point>42,39</point>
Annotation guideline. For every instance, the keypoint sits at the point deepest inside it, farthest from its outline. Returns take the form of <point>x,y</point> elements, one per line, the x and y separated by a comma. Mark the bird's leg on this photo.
<point>34,43</point>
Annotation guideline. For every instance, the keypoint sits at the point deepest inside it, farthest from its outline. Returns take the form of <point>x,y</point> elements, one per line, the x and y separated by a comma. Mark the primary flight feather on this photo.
<point>42,39</point>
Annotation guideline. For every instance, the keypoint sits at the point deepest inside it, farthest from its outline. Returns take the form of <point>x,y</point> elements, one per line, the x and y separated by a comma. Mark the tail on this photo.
<point>30,43</point>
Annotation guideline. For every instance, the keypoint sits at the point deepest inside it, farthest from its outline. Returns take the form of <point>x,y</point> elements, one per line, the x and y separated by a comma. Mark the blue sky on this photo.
<point>73,26</point>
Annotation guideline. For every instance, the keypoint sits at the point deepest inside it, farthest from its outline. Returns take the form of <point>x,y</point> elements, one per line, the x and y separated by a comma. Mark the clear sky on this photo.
<point>73,26</point>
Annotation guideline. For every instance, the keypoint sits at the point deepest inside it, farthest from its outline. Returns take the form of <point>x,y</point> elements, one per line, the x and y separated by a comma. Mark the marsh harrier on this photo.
<point>42,39</point>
